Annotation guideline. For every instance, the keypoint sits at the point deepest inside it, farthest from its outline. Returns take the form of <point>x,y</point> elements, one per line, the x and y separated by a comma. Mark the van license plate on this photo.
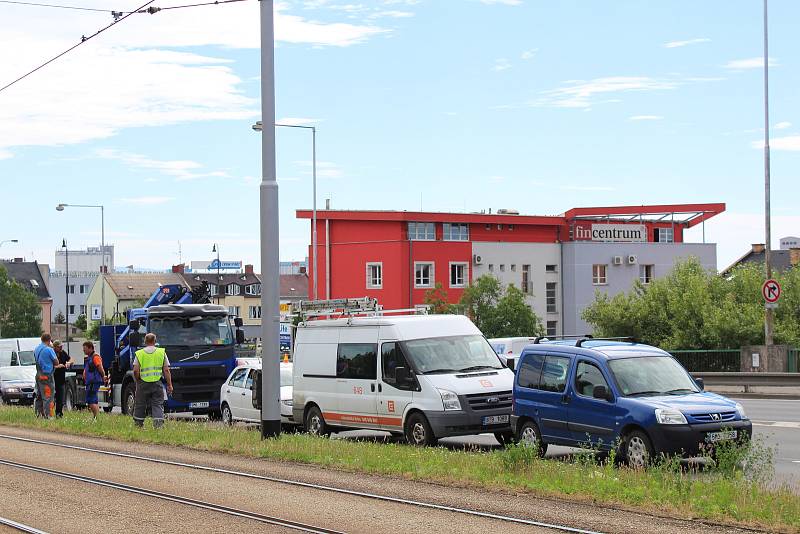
<point>713,437</point>
<point>198,405</point>
<point>495,419</point>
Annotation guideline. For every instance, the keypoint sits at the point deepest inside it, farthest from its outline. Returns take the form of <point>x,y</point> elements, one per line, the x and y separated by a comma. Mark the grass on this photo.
<point>726,494</point>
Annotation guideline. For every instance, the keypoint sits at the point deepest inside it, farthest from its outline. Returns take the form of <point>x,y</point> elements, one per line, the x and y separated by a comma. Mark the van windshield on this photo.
<point>451,354</point>
<point>26,357</point>
<point>651,376</point>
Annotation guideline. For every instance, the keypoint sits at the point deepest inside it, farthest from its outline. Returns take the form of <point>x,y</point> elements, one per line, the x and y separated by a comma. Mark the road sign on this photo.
<point>96,312</point>
<point>771,291</point>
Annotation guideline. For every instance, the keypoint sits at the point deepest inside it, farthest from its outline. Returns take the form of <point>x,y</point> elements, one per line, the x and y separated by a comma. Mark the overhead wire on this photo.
<point>37,4</point>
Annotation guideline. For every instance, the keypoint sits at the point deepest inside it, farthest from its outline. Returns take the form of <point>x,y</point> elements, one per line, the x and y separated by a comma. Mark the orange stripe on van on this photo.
<point>367,419</point>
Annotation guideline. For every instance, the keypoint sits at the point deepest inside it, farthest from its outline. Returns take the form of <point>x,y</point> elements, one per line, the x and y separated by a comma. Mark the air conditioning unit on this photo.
<point>632,259</point>
<point>617,260</point>
<point>477,259</point>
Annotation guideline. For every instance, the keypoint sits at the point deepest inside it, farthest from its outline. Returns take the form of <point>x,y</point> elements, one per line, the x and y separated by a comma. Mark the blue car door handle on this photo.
<point>565,399</point>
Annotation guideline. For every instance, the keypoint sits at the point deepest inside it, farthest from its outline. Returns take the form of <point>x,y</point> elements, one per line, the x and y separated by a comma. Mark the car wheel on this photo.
<point>315,423</point>
<point>505,438</point>
<point>418,431</point>
<point>227,415</point>
<point>637,449</point>
<point>129,399</point>
<point>107,409</point>
<point>69,402</point>
<point>530,436</point>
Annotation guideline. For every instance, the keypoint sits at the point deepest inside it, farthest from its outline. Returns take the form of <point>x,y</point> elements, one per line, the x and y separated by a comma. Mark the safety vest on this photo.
<point>151,365</point>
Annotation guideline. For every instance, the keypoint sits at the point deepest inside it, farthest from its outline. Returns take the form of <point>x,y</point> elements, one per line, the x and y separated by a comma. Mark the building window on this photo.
<point>599,274</point>
<point>502,267</point>
<point>550,297</point>
<point>646,273</point>
<point>83,309</point>
<point>513,267</point>
<point>423,275</point>
<point>552,328</point>
<point>491,267</point>
<point>375,275</point>
<point>233,289</point>
<point>254,312</point>
<point>212,289</point>
<point>664,235</point>
<point>456,232</point>
<point>71,309</point>
<point>527,286</point>
<point>82,289</point>
<point>233,311</point>
<point>418,231</point>
<point>458,274</point>
<point>71,289</point>
<point>252,289</point>
<point>551,268</point>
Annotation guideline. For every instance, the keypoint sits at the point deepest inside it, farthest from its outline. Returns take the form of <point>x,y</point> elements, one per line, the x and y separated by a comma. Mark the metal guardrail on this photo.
<point>711,360</point>
<point>750,379</point>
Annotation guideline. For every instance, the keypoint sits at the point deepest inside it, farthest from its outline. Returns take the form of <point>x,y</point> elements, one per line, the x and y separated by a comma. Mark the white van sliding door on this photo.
<point>357,378</point>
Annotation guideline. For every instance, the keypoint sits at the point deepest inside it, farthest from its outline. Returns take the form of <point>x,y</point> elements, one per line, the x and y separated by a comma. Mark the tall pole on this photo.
<point>103,252</point>
<point>314,214</point>
<point>270,263</point>
<point>66,288</point>
<point>768,314</point>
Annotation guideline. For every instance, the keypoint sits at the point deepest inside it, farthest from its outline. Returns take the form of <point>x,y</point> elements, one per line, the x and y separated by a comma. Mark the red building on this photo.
<point>397,257</point>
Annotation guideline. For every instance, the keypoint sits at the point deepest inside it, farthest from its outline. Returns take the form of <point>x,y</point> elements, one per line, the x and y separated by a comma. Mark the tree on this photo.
<point>436,298</point>
<point>59,318</point>
<point>93,331</point>
<point>20,313</point>
<point>80,322</point>
<point>692,308</point>
<point>498,311</point>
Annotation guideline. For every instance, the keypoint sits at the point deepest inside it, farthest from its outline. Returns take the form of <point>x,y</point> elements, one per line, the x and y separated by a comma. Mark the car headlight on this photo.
<point>670,417</point>
<point>740,409</point>
<point>287,402</point>
<point>12,390</point>
<point>450,400</point>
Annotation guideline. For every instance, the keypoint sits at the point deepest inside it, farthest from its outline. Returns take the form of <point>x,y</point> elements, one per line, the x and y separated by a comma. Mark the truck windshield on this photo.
<point>451,354</point>
<point>26,357</point>
<point>192,331</point>
<point>651,376</point>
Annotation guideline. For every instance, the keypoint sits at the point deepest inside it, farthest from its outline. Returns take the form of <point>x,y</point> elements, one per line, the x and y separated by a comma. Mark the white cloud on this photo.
<point>750,63</point>
<point>783,125</point>
<point>645,118</point>
<point>297,121</point>
<point>5,154</point>
<point>580,93</point>
<point>502,2</point>
<point>678,44</point>
<point>325,169</point>
<point>529,54</point>
<point>146,201</point>
<point>391,13</point>
<point>587,188</point>
<point>501,65</point>
<point>790,143</point>
<point>182,170</point>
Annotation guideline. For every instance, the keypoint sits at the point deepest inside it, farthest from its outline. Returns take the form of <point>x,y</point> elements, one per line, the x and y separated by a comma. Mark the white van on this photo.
<point>18,351</point>
<point>510,347</point>
<point>424,376</point>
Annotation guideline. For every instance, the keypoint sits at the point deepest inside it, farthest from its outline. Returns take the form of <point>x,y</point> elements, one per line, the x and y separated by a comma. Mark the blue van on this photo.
<point>599,393</point>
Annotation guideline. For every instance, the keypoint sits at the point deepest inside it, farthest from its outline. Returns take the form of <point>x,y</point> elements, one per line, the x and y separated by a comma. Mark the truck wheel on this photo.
<point>69,402</point>
<point>529,435</point>
<point>128,399</point>
<point>637,449</point>
<point>315,423</point>
<point>418,431</point>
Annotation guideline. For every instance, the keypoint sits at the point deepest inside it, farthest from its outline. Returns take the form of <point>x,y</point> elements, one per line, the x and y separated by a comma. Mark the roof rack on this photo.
<point>539,339</point>
<point>307,309</point>
<point>629,339</point>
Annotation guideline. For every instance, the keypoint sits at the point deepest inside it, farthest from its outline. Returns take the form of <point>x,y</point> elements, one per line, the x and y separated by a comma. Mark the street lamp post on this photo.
<point>66,285</point>
<point>768,315</point>
<point>61,207</point>
<point>259,126</point>
<point>219,286</point>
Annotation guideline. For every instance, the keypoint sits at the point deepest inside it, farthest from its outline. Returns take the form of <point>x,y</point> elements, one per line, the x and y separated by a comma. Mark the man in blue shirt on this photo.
<point>46,364</point>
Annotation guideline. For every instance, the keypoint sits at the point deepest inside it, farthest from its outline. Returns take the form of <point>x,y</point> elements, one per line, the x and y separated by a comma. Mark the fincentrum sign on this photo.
<point>621,233</point>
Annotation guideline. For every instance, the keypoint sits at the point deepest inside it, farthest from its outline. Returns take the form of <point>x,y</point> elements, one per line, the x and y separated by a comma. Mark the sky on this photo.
<point>447,105</point>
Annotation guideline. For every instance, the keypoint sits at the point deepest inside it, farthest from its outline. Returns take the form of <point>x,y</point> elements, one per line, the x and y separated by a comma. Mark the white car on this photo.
<point>236,395</point>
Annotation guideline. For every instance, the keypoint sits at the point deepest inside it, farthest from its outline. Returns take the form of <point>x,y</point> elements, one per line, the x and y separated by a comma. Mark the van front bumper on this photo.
<point>690,440</point>
<point>464,423</point>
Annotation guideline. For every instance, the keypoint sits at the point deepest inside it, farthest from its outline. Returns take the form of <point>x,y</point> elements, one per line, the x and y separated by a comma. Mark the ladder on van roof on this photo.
<point>366,306</point>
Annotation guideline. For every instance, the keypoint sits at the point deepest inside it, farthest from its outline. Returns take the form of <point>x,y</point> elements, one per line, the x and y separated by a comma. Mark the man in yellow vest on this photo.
<point>151,364</point>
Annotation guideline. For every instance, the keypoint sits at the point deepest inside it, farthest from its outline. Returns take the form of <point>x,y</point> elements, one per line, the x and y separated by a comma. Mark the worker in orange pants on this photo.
<point>46,363</point>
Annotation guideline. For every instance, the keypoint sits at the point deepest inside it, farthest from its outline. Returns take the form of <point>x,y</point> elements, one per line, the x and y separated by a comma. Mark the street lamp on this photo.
<point>259,126</point>
<point>219,287</point>
<point>61,207</point>
<point>66,285</point>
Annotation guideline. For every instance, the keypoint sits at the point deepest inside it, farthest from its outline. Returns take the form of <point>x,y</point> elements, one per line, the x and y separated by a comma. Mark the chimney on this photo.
<point>178,269</point>
<point>794,256</point>
<point>248,269</point>
<point>327,203</point>
<point>758,248</point>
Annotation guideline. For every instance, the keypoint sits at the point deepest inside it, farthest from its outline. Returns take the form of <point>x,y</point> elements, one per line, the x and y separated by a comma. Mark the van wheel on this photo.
<point>418,431</point>
<point>505,438</point>
<point>129,399</point>
<point>315,423</point>
<point>637,449</point>
<point>530,436</point>
<point>227,416</point>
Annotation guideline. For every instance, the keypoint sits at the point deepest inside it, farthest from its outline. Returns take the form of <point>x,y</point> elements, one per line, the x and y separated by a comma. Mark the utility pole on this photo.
<point>768,312</point>
<point>270,263</point>
<point>66,286</point>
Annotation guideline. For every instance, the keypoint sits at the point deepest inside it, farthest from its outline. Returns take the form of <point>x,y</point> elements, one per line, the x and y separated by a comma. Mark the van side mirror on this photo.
<point>700,383</point>
<point>510,362</point>
<point>600,392</point>
<point>14,360</point>
<point>402,375</point>
<point>238,322</point>
<point>255,387</point>
<point>239,337</point>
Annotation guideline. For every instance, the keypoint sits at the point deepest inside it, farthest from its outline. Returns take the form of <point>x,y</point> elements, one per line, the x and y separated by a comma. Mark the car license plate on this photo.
<point>13,401</point>
<point>713,437</point>
<point>495,419</point>
<point>198,405</point>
